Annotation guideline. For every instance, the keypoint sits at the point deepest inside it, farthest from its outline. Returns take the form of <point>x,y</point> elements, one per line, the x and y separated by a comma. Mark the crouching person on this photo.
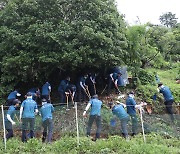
<point>47,122</point>
<point>95,114</point>
<point>9,118</point>
<point>119,111</point>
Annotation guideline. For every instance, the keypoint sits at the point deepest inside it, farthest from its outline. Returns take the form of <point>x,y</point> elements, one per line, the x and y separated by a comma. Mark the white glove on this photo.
<point>13,123</point>
<point>84,113</point>
<point>158,90</point>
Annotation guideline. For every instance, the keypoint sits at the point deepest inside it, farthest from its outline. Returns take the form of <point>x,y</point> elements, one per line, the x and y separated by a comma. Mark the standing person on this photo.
<point>95,114</point>
<point>28,110</point>
<point>12,96</point>
<point>90,81</point>
<point>46,90</point>
<point>81,89</point>
<point>131,110</point>
<point>62,89</point>
<point>169,99</point>
<point>9,118</point>
<point>119,111</point>
<point>113,81</point>
<point>47,122</point>
<point>35,93</point>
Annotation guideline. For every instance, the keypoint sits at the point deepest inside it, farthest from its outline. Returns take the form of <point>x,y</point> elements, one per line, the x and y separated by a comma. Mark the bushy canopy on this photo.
<point>41,36</point>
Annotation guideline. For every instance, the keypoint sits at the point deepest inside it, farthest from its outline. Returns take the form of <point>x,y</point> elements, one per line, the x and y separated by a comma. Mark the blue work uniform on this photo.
<point>35,93</point>
<point>111,83</point>
<point>61,89</point>
<point>46,91</point>
<point>131,103</point>
<point>28,117</point>
<point>95,114</point>
<point>166,93</point>
<point>47,122</point>
<point>169,99</point>
<point>8,125</point>
<point>120,112</point>
<point>71,89</point>
<point>12,96</point>
<point>131,110</point>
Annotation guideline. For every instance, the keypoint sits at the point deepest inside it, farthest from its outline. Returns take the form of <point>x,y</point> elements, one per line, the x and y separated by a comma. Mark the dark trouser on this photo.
<point>25,122</point>
<point>9,129</point>
<point>81,95</point>
<point>110,85</point>
<point>134,124</point>
<point>91,89</point>
<point>48,127</point>
<point>124,123</point>
<point>45,96</point>
<point>98,124</point>
<point>62,97</point>
<point>169,109</point>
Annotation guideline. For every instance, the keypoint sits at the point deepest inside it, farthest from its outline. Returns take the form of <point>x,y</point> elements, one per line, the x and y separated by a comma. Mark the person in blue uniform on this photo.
<point>46,90</point>
<point>71,91</point>
<point>131,110</point>
<point>81,89</point>
<point>9,118</point>
<point>113,82</point>
<point>91,83</point>
<point>35,93</point>
<point>168,99</point>
<point>47,120</point>
<point>28,110</point>
<point>119,111</point>
<point>95,115</point>
<point>62,89</point>
<point>12,96</point>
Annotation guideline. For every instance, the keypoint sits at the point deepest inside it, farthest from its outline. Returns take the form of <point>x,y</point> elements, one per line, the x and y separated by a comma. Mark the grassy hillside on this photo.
<point>115,144</point>
<point>168,77</point>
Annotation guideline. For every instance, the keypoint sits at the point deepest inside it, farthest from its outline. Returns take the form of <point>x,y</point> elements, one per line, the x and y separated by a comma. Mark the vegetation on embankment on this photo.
<point>115,144</point>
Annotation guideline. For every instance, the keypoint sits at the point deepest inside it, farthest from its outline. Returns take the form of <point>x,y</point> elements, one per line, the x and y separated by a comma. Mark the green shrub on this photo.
<point>145,77</point>
<point>146,92</point>
<point>114,144</point>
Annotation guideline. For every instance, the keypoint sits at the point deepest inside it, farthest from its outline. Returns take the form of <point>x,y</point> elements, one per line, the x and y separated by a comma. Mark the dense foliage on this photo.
<point>39,37</point>
<point>115,144</point>
<point>41,40</point>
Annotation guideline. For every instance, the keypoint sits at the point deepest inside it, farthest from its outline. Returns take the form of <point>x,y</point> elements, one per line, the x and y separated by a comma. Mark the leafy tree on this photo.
<point>141,52</point>
<point>166,40</point>
<point>168,19</point>
<point>39,37</point>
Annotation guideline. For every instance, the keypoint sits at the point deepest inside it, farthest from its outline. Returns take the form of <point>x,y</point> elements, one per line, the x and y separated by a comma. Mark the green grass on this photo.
<point>115,144</point>
<point>168,78</point>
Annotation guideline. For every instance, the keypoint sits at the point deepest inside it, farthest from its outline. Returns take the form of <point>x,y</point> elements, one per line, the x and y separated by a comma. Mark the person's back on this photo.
<point>29,106</point>
<point>130,103</point>
<point>95,106</point>
<point>166,93</point>
<point>46,111</point>
<point>119,111</point>
<point>12,95</point>
<point>63,85</point>
<point>46,89</point>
